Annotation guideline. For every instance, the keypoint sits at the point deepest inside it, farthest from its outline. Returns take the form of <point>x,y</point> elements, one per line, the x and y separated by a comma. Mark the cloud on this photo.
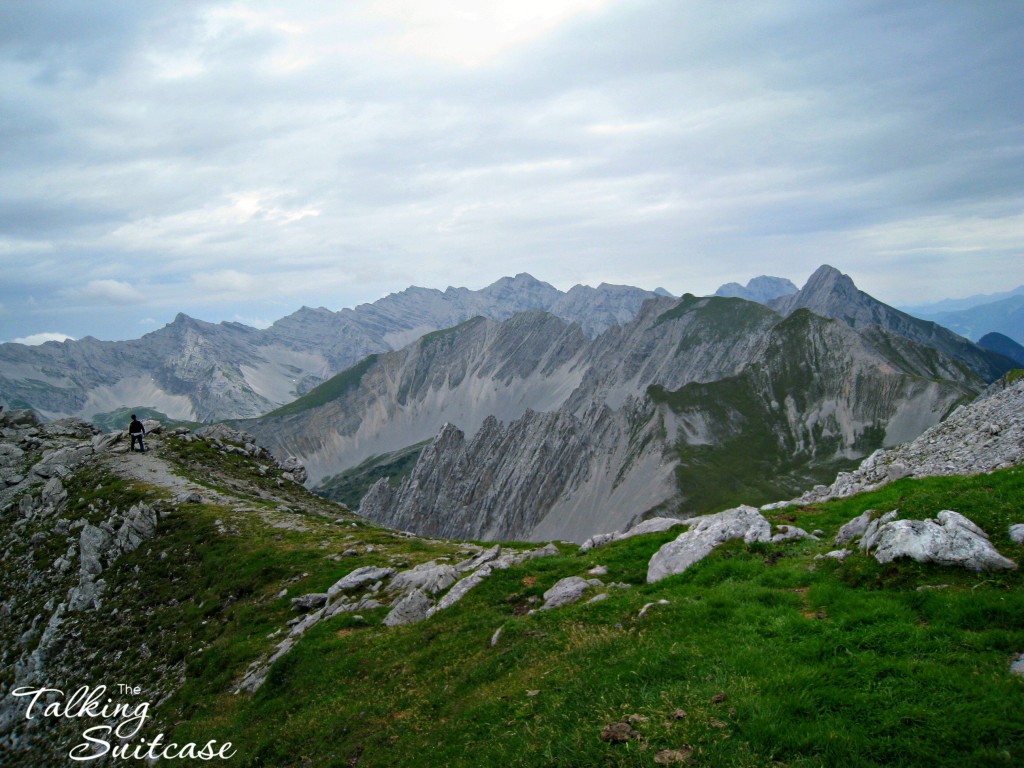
<point>226,281</point>
<point>109,292</point>
<point>41,338</point>
<point>224,154</point>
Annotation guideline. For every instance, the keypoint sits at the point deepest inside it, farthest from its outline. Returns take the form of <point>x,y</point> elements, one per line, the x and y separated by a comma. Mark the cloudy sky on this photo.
<point>237,160</point>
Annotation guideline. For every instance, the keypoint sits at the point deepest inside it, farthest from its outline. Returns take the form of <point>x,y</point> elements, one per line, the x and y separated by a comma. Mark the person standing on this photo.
<point>136,431</point>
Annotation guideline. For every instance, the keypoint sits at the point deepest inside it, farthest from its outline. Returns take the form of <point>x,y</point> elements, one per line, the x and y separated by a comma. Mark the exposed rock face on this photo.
<point>703,536</point>
<point>568,590</point>
<point>429,578</point>
<point>360,578</point>
<point>409,610</point>
<point>202,371</point>
<point>983,436</point>
<point>1017,533</point>
<point>543,476</point>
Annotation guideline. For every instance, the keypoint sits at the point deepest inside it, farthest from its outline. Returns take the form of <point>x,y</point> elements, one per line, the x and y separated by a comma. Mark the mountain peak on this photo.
<point>828,278</point>
<point>761,289</point>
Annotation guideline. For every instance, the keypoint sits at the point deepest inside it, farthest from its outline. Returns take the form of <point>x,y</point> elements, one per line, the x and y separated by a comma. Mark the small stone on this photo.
<point>1017,668</point>
<point>1017,533</point>
<point>679,714</point>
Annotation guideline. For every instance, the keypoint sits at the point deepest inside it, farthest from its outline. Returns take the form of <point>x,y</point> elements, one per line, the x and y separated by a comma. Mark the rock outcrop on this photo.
<point>951,539</point>
<point>704,535</point>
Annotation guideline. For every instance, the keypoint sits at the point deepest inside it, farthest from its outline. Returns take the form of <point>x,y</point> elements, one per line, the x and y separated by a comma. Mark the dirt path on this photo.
<point>150,468</point>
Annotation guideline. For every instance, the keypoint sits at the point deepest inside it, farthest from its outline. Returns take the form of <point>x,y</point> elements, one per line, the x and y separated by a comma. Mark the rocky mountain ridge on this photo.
<point>698,381</point>
<point>199,371</point>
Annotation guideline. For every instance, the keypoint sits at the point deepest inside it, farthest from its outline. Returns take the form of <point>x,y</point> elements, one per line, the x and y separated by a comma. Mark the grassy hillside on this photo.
<point>775,658</point>
<point>761,656</point>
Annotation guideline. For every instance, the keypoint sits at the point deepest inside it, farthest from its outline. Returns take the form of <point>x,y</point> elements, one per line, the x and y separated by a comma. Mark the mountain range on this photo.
<point>199,371</point>
<point>535,430</point>
<point>521,411</point>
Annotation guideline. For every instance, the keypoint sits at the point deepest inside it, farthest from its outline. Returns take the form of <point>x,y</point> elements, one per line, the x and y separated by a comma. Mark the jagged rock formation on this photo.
<point>413,602</point>
<point>983,436</point>
<point>707,387</point>
<point>704,535</point>
<point>202,371</point>
<point>950,540</point>
<point>760,289</point>
<point>542,476</point>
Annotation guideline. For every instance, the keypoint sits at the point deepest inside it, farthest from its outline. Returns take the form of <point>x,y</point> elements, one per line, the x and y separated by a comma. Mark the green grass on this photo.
<point>821,663</point>
<point>330,390</point>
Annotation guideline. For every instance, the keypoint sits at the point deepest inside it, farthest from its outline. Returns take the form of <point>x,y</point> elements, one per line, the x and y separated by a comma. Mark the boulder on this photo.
<point>855,528</point>
<point>359,578</point>
<point>951,539</point>
<point>654,525</point>
<point>1017,668</point>
<point>411,609</point>
<point>703,536</point>
<point>307,603</point>
<point>487,556</point>
<point>566,591</point>
<point>460,589</point>
<point>789,533</point>
<point>429,577</point>
<point>870,536</point>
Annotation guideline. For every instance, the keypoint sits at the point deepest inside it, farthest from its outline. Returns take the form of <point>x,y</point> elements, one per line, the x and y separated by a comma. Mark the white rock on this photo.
<point>411,609</point>
<point>566,591</point>
<point>704,535</point>
<point>1017,533</point>
<point>359,578</point>
<point>951,540</point>
<point>854,528</point>
<point>654,525</point>
<point>431,577</point>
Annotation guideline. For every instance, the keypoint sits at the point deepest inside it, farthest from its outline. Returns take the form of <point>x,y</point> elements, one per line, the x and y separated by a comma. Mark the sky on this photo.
<point>238,160</point>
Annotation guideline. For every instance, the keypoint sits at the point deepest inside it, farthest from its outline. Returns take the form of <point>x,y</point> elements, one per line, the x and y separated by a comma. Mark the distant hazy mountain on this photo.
<point>1005,316</point>
<point>537,431</point>
<point>202,371</point>
<point>1004,345</point>
<point>761,289</point>
<point>957,305</point>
